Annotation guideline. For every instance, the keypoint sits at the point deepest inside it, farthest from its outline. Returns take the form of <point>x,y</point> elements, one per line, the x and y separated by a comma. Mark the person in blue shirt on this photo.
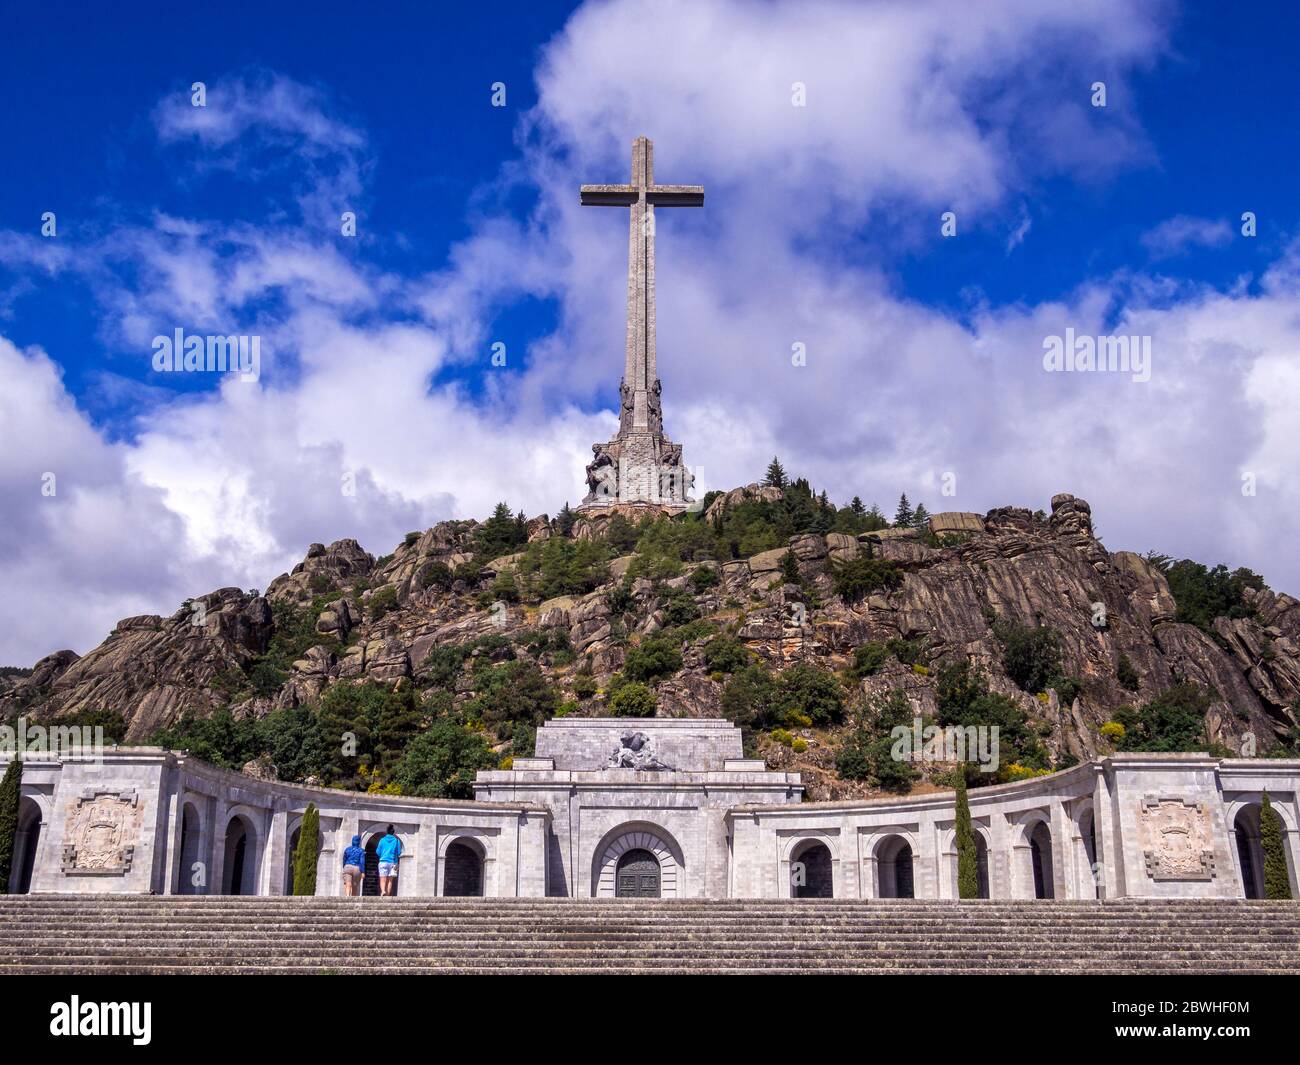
<point>388,851</point>
<point>354,864</point>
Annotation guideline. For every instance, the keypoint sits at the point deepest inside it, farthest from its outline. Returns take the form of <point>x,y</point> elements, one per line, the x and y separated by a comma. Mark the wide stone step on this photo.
<point>93,934</point>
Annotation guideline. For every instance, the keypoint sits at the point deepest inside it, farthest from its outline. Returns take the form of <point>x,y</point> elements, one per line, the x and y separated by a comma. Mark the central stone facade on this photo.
<point>640,466</point>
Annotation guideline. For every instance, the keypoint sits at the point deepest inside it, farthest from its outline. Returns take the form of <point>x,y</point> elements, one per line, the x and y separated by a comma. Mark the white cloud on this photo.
<point>1179,234</point>
<point>229,486</point>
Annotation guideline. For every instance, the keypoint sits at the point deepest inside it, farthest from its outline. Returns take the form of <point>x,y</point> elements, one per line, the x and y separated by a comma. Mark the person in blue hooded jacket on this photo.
<point>389,850</point>
<point>354,865</point>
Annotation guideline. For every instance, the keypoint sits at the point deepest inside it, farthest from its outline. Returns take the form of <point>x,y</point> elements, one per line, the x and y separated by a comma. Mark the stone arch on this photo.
<point>243,854</point>
<point>463,863</point>
<point>818,861</point>
<point>27,845</point>
<point>1035,869</point>
<point>1039,835</point>
<point>637,836</point>
<point>894,856</point>
<point>1243,824</point>
<point>191,852</point>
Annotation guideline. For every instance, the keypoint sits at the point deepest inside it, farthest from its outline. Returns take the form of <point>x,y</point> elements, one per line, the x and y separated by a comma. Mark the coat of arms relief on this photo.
<point>1176,839</point>
<point>102,830</point>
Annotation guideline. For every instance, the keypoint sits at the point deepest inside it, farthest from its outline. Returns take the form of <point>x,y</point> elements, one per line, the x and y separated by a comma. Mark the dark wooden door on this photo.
<point>637,876</point>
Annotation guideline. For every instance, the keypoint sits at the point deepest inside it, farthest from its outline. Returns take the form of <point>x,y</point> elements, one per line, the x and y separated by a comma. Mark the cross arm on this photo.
<point>608,195</point>
<point>675,195</point>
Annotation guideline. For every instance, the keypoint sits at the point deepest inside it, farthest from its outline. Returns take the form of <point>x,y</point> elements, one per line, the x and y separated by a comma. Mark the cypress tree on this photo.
<point>1276,883</point>
<point>968,877</point>
<point>304,858</point>
<point>10,797</point>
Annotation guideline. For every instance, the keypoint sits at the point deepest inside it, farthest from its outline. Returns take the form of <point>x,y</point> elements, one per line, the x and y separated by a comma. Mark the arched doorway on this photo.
<point>27,840</point>
<point>370,875</point>
<point>812,873</point>
<point>193,877</point>
<point>606,859</point>
<point>894,869</point>
<point>239,875</point>
<point>1040,856</point>
<point>1250,852</point>
<point>637,875</point>
<point>463,870</point>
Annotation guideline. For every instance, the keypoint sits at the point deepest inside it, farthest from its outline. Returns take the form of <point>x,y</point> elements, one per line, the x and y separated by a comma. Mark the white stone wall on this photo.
<point>1137,825</point>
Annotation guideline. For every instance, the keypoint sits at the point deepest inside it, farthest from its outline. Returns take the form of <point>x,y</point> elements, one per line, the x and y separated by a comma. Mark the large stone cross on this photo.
<point>640,374</point>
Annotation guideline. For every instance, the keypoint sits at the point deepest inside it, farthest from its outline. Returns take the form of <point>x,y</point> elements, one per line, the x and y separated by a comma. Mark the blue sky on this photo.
<point>821,227</point>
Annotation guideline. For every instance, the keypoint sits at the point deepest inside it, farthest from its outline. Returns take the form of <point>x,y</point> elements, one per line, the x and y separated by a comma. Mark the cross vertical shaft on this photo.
<point>644,456</point>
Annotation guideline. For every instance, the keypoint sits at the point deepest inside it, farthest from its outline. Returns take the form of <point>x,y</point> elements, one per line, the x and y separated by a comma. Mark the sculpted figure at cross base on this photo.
<point>633,752</point>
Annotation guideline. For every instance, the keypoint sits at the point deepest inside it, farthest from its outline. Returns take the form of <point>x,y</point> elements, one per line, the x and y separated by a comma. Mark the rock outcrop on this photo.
<point>379,620</point>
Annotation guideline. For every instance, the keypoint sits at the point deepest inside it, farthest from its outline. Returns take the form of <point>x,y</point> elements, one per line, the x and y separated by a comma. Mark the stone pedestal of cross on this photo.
<point>640,465</point>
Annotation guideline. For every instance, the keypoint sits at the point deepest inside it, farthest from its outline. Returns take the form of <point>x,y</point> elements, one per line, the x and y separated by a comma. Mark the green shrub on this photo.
<point>307,852</point>
<point>856,578</point>
<point>704,578</point>
<point>968,884</point>
<point>725,654</point>
<point>652,660</point>
<point>11,790</point>
<point>1277,885</point>
<point>1173,721</point>
<point>633,699</point>
<point>810,692</point>
<point>867,750</point>
<point>868,659</point>
<point>782,736</point>
<point>584,686</point>
<point>748,698</point>
<point>442,762</point>
<point>436,574</point>
<point>382,602</point>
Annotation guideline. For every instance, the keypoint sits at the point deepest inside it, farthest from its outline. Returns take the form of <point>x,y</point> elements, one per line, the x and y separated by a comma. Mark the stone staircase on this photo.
<point>98,934</point>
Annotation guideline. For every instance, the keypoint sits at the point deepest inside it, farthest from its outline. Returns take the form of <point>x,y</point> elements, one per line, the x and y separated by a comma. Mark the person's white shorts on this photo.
<point>387,868</point>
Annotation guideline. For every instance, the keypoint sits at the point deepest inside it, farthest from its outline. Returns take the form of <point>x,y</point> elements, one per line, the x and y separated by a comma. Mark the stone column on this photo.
<point>277,852</point>
<point>217,847</point>
<point>1000,864</point>
<point>1064,853</point>
<point>1108,851</point>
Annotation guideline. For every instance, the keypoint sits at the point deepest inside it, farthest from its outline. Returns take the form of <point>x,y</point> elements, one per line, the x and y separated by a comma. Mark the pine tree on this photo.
<point>857,506</point>
<point>1276,883</point>
<point>304,858</point>
<point>903,515</point>
<point>11,790</point>
<point>565,519</point>
<point>776,474</point>
<point>968,877</point>
<point>790,568</point>
<point>920,516</point>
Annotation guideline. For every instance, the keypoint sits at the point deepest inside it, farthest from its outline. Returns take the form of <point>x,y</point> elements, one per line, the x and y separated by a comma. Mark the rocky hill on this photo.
<point>636,614</point>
